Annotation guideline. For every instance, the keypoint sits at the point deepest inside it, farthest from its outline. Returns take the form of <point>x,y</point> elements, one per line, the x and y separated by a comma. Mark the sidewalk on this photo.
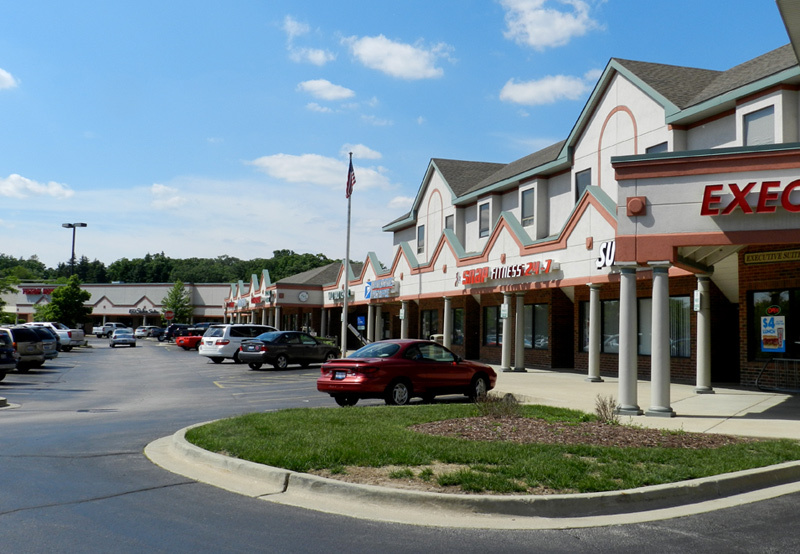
<point>731,411</point>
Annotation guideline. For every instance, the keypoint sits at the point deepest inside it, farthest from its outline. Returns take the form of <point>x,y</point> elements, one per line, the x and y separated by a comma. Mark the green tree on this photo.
<point>179,302</point>
<point>7,287</point>
<point>67,305</point>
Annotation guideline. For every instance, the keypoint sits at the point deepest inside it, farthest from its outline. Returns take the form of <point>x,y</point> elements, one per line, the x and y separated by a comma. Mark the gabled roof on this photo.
<point>680,85</point>
<point>459,175</point>
<point>324,275</point>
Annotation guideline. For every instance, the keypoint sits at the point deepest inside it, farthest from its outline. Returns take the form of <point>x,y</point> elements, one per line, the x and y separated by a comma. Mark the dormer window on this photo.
<point>526,203</point>
<point>483,219</point>
<point>759,127</point>
<point>582,180</point>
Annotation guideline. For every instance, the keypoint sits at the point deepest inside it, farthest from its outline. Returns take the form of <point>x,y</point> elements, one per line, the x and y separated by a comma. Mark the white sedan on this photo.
<point>122,337</point>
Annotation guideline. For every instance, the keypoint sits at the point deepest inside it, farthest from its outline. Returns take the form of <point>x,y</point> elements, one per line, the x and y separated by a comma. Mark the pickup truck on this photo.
<point>108,329</point>
<point>69,338</point>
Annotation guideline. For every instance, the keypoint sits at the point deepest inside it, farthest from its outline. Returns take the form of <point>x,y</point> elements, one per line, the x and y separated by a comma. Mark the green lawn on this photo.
<point>377,436</point>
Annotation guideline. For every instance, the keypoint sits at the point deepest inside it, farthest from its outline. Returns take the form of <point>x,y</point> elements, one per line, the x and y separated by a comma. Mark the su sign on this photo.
<point>769,197</point>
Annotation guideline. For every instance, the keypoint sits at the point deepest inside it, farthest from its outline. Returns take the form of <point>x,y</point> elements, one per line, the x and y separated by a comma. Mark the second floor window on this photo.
<point>759,127</point>
<point>483,220</point>
<point>420,239</point>
<point>448,222</point>
<point>582,180</point>
<point>527,207</point>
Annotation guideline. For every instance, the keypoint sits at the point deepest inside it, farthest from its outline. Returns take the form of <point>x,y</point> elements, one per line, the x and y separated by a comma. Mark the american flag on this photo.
<point>351,180</point>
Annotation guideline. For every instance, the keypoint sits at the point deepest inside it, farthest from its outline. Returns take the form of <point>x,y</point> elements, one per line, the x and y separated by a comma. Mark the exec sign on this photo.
<point>769,198</point>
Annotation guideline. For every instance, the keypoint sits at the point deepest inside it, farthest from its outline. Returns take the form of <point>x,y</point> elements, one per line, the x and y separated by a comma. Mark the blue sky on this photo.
<point>202,128</point>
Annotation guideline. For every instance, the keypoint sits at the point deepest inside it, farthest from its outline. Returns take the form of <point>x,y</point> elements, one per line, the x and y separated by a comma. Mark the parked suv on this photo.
<point>29,347</point>
<point>8,355</point>
<point>50,342</point>
<point>224,339</point>
<point>171,330</point>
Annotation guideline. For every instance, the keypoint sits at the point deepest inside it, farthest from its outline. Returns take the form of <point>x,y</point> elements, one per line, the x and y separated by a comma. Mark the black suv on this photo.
<point>171,331</point>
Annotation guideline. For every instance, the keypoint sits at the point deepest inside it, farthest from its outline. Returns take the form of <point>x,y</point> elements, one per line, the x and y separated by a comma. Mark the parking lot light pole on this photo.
<point>73,226</point>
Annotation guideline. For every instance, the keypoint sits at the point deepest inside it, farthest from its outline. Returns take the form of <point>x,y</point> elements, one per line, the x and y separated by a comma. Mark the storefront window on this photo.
<point>458,326</point>
<point>430,323</point>
<point>492,326</point>
<point>536,319</point>
<point>609,326</point>
<point>680,337</point>
<point>772,331</point>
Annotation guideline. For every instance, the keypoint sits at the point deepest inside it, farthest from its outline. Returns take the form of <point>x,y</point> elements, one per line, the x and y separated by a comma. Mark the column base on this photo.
<point>703,390</point>
<point>594,379</point>
<point>660,412</point>
<point>628,410</point>
<point>520,370</point>
<point>506,370</point>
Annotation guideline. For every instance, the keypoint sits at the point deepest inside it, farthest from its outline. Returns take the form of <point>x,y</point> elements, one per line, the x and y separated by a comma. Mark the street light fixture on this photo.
<point>73,226</point>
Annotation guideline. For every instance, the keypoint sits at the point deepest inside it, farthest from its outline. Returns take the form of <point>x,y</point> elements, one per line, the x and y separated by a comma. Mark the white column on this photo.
<point>594,333</point>
<point>370,322</point>
<point>404,321</point>
<point>660,347</point>
<point>505,363</point>
<point>263,316</point>
<point>378,328</point>
<point>448,322</point>
<point>323,322</point>
<point>704,336</point>
<point>519,334</point>
<point>277,317</point>
<point>628,344</point>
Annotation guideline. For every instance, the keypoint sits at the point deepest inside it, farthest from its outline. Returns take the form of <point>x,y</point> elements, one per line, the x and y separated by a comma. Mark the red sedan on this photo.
<point>398,370</point>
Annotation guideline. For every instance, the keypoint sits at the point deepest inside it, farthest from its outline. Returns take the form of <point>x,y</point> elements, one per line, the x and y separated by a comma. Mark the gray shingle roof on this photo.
<point>679,85</point>
<point>748,72</point>
<point>519,166</point>
<point>462,175</point>
<point>317,276</point>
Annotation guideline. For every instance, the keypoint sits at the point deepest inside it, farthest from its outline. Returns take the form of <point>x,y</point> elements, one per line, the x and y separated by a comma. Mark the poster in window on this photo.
<point>773,334</point>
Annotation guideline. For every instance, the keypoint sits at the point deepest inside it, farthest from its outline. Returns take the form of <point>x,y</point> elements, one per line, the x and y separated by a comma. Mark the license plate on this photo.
<point>339,375</point>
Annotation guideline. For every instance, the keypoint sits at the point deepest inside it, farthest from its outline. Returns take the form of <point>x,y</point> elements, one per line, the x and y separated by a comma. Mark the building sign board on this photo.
<point>772,257</point>
<point>768,193</point>
<point>493,273</point>
<point>381,288</point>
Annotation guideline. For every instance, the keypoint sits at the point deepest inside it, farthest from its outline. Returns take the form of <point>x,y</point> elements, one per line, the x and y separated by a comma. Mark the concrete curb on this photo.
<point>277,481</point>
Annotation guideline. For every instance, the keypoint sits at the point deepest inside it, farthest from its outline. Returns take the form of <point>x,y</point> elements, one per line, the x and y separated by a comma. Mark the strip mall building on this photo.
<point>659,240</point>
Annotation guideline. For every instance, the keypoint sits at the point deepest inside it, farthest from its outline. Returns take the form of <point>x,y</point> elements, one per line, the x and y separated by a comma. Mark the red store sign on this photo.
<point>37,291</point>
<point>484,274</point>
<point>769,198</point>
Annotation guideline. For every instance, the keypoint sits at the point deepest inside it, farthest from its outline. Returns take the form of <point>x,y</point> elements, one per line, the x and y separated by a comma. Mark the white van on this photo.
<point>222,340</point>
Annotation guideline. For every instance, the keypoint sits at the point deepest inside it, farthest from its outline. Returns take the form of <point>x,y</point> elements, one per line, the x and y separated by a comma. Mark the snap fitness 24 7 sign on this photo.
<point>493,273</point>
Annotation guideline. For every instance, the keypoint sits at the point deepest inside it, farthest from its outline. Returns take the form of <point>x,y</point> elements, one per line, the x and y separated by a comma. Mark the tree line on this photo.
<point>158,268</point>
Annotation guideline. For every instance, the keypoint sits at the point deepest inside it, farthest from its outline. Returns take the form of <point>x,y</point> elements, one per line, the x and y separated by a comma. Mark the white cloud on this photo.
<point>324,89</point>
<point>314,107</point>
<point>360,152</point>
<point>166,198</point>
<point>547,90</point>
<point>7,80</point>
<point>314,169</point>
<point>531,23</point>
<point>294,28</point>
<point>404,61</point>
<point>401,202</point>
<point>17,186</point>
<point>314,56</point>
<point>376,121</point>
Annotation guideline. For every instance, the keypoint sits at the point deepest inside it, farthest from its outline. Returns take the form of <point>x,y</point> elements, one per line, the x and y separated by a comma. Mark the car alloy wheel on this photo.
<point>399,394</point>
<point>281,362</point>
<point>345,400</point>
<point>255,365</point>
<point>479,388</point>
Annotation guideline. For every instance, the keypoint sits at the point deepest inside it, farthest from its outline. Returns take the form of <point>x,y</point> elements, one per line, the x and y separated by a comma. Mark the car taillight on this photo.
<point>263,348</point>
<point>69,334</point>
<point>222,342</point>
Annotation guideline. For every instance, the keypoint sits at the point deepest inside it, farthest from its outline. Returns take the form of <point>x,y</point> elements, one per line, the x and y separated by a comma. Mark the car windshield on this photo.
<point>376,350</point>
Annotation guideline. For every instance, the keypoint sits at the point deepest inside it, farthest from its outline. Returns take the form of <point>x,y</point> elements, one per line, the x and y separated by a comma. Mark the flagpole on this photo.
<point>347,262</point>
